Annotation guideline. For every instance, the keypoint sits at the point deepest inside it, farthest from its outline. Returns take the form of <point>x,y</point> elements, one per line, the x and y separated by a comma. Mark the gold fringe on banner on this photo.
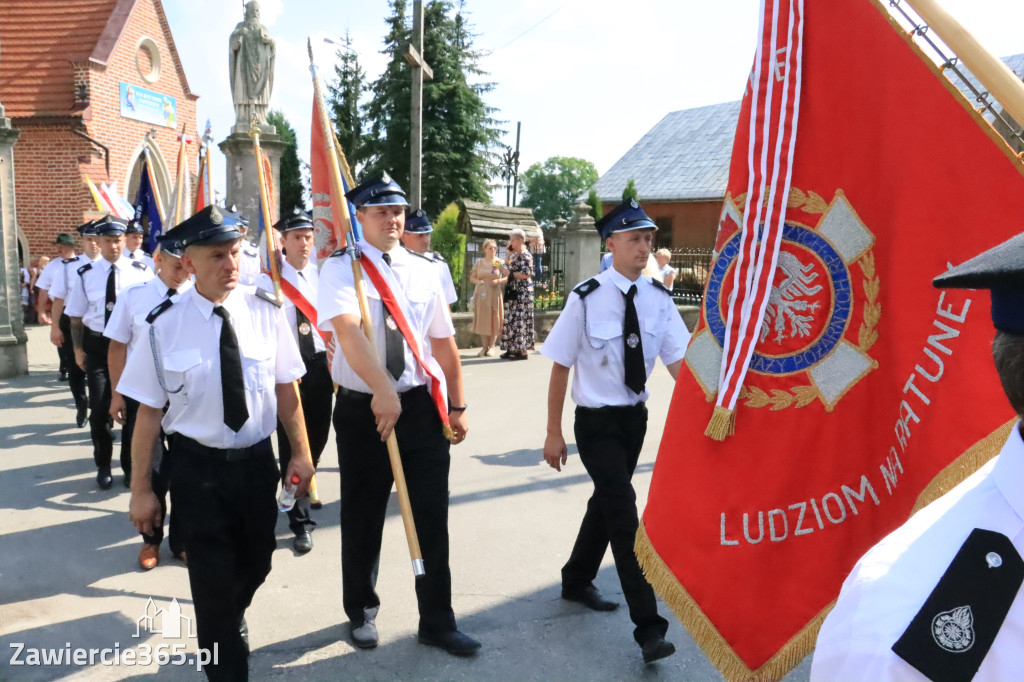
<point>722,424</point>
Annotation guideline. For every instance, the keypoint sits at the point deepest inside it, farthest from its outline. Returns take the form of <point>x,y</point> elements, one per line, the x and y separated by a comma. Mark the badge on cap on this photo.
<point>216,217</point>
<point>633,204</point>
<point>305,329</point>
<point>385,178</point>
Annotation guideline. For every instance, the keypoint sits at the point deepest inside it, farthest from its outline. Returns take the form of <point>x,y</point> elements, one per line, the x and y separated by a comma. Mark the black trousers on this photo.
<point>98,378</point>
<point>315,391</point>
<point>228,514</point>
<point>366,481</point>
<point>609,441</point>
<point>131,411</point>
<point>76,376</point>
<point>161,482</point>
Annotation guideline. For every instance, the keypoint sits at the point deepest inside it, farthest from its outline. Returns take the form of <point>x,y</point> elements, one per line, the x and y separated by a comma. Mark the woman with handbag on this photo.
<point>517,338</point>
<point>489,274</point>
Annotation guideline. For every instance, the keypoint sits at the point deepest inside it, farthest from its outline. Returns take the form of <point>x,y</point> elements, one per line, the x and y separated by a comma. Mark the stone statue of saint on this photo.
<point>252,68</point>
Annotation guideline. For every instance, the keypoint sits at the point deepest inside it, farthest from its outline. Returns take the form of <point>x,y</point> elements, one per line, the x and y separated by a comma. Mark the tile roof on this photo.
<point>685,157</point>
<point>40,40</point>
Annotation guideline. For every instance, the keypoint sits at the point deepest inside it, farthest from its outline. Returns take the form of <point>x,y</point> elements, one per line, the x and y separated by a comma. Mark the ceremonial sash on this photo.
<point>391,303</point>
<point>302,303</point>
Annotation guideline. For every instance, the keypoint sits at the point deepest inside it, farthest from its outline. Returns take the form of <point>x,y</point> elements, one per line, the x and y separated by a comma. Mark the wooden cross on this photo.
<point>414,55</point>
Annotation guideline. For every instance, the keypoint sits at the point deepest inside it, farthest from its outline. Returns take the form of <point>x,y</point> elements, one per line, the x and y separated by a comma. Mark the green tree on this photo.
<point>447,241</point>
<point>344,105</point>
<point>551,189</point>
<point>291,190</point>
<point>630,191</point>
<point>596,209</point>
<point>458,127</point>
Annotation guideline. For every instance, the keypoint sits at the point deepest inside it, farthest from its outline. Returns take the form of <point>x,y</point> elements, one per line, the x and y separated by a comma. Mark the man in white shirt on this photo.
<point>939,598</point>
<point>90,302</point>
<point>133,238</point>
<point>612,330</point>
<point>65,251</point>
<point>416,238</point>
<point>128,332</point>
<point>225,366</point>
<point>299,283</point>
<point>416,393</point>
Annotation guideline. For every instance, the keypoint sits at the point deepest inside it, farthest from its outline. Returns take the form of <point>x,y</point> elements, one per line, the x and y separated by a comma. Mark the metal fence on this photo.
<point>549,285</point>
<point>692,268</point>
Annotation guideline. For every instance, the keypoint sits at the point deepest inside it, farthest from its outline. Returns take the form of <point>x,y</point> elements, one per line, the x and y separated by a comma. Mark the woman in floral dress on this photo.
<point>517,337</point>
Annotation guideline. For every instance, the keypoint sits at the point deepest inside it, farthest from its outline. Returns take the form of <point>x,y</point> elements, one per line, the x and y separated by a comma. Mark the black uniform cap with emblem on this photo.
<point>628,215</point>
<point>418,222</point>
<point>170,243</point>
<point>298,220</point>
<point>134,225</point>
<point>378,190</point>
<point>212,225</point>
<point>109,226</point>
<point>1001,271</point>
<point>87,229</point>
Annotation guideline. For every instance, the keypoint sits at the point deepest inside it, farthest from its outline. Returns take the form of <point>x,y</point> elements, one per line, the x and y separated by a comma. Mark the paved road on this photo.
<point>68,572</point>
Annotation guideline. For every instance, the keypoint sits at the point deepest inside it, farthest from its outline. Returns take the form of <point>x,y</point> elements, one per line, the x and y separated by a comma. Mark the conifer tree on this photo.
<point>344,102</point>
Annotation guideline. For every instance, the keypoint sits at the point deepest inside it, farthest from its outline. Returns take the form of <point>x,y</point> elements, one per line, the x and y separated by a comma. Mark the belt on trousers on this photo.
<point>185,444</point>
<point>359,395</point>
<point>612,409</point>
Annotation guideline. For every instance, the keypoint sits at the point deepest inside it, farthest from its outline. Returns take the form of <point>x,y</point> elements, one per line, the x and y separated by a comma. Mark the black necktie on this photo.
<point>131,255</point>
<point>394,343</point>
<point>306,347</point>
<point>633,347</point>
<point>171,291</point>
<point>232,383</point>
<point>111,297</point>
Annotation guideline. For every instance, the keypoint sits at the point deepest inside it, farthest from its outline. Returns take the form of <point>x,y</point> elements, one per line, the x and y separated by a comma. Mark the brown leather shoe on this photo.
<point>149,556</point>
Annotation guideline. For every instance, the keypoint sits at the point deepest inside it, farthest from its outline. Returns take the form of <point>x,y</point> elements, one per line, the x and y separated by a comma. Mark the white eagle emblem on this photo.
<point>953,630</point>
<point>784,300</point>
<point>632,340</point>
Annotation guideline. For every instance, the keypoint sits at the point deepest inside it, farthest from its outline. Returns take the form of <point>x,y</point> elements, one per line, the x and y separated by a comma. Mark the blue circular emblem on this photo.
<point>797,301</point>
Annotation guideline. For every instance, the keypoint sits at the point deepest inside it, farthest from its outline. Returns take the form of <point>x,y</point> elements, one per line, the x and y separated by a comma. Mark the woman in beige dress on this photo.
<point>489,274</point>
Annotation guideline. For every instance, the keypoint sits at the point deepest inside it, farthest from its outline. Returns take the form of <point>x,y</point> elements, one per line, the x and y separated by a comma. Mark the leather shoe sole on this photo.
<point>657,649</point>
<point>454,642</point>
<point>104,479</point>
<point>591,598</point>
<point>303,542</point>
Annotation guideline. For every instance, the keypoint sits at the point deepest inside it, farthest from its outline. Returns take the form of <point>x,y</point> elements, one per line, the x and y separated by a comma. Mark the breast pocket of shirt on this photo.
<point>181,372</point>
<point>258,366</point>
<point>420,300</point>
<point>605,332</point>
<point>654,330</point>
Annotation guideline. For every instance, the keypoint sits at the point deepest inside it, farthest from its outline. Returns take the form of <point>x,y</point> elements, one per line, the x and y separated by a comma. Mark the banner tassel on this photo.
<point>722,424</point>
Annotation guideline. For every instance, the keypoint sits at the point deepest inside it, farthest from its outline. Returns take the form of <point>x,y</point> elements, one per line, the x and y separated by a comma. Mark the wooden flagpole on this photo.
<point>364,310</point>
<point>994,75</point>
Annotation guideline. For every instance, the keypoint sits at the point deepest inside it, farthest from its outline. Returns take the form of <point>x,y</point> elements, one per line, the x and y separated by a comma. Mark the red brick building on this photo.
<point>85,81</point>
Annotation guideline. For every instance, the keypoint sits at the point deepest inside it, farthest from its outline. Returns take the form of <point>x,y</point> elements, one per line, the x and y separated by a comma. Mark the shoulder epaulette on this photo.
<point>658,284</point>
<point>439,258</point>
<point>339,252</point>
<point>421,255</point>
<point>159,310</point>
<point>85,268</point>
<point>268,297</point>
<point>140,265</point>
<point>586,288</point>
<point>65,261</point>
<point>250,250</point>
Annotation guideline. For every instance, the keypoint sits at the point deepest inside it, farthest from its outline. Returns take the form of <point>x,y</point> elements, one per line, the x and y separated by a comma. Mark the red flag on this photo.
<point>863,396</point>
<point>204,187</point>
<point>328,223</point>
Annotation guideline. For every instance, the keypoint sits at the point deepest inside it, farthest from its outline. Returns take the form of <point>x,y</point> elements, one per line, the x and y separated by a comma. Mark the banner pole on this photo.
<point>364,310</point>
<point>992,72</point>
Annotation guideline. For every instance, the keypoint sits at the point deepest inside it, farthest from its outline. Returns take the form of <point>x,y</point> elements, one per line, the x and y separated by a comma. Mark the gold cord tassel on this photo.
<point>448,433</point>
<point>722,424</point>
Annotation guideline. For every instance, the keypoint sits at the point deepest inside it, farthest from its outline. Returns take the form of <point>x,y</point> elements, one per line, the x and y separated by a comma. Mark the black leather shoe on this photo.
<point>243,630</point>
<point>656,649</point>
<point>104,479</point>
<point>590,597</point>
<point>127,480</point>
<point>365,636</point>
<point>454,642</point>
<point>63,376</point>
<point>303,542</point>
<point>81,414</point>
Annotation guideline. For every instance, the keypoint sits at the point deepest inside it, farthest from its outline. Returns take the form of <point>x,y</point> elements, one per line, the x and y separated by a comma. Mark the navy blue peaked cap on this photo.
<point>108,225</point>
<point>418,222</point>
<point>628,215</point>
<point>378,190</point>
<point>169,243</point>
<point>87,229</point>
<point>298,220</point>
<point>134,225</point>
<point>1001,271</point>
<point>212,225</point>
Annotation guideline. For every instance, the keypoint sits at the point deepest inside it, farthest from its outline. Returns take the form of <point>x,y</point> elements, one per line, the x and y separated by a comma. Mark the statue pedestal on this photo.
<point>582,247</point>
<point>13,352</point>
<point>243,189</point>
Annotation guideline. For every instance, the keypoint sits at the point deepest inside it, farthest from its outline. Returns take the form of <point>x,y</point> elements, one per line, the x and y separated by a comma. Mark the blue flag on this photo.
<point>146,205</point>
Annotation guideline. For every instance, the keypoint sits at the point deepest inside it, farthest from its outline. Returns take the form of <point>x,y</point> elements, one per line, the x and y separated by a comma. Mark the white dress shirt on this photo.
<point>67,274</point>
<point>249,267</point>
<point>46,277</point>
<point>890,584</point>
<point>447,284</point>
<point>305,281</point>
<point>88,292</point>
<point>140,255</point>
<point>416,286</point>
<point>188,344</point>
<point>127,323</point>
<point>588,335</point>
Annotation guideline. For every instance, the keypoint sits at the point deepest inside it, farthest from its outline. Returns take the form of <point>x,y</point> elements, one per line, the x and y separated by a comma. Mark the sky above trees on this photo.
<point>587,78</point>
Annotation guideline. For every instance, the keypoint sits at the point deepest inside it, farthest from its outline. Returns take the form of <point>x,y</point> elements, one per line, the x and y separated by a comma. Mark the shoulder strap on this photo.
<point>586,288</point>
<point>421,255</point>
<point>85,268</point>
<point>660,285</point>
<point>439,258</point>
<point>339,252</point>
<point>65,261</point>
<point>159,310</point>
<point>140,265</point>
<point>267,296</point>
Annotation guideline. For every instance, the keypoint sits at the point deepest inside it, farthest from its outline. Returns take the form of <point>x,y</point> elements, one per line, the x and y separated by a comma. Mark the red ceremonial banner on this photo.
<point>868,392</point>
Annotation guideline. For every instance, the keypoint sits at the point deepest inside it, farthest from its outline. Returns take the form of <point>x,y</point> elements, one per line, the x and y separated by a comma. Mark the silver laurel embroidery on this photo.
<point>953,630</point>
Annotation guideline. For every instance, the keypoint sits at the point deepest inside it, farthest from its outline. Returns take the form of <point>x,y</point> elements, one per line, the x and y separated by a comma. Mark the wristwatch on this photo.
<point>458,408</point>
